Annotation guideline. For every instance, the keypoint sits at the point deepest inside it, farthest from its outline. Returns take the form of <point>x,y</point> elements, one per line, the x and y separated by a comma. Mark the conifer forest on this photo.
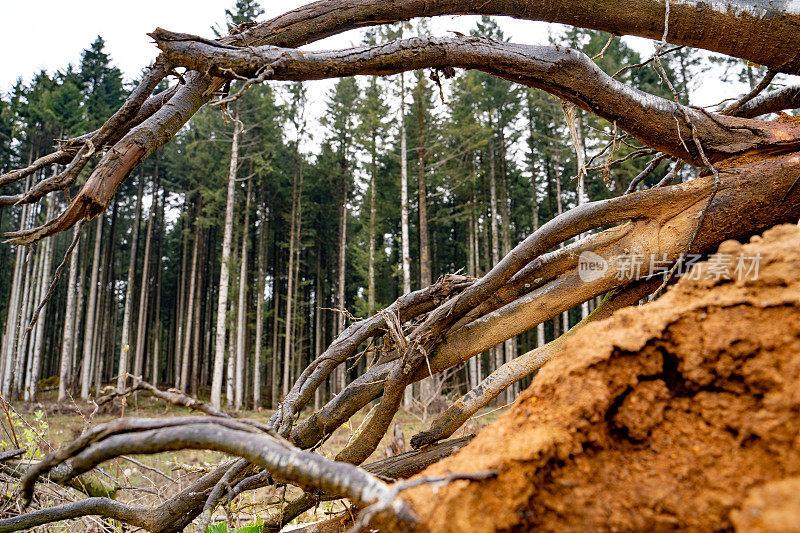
<point>472,285</point>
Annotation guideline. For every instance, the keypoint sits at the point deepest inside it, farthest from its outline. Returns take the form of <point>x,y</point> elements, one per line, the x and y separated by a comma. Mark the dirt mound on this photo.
<point>681,414</point>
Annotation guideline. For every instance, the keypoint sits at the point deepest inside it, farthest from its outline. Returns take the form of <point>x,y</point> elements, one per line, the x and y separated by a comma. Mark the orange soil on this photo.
<point>680,414</point>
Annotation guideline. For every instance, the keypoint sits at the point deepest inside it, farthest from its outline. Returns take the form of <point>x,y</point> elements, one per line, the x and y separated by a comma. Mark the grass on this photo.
<point>149,479</point>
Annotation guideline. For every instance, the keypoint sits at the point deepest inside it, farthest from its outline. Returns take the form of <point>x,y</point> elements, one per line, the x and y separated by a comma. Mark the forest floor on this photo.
<point>162,475</point>
<point>682,414</point>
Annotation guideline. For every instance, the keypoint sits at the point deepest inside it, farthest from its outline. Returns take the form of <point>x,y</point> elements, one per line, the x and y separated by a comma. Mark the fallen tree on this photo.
<point>749,183</point>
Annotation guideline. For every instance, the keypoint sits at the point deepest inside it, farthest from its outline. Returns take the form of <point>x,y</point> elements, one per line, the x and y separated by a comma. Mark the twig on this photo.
<point>147,467</point>
<point>603,51</point>
<point>646,172</point>
<point>10,423</point>
<point>763,84</point>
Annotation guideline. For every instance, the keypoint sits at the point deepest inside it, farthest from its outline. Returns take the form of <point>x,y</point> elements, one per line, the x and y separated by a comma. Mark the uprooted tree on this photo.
<point>749,182</point>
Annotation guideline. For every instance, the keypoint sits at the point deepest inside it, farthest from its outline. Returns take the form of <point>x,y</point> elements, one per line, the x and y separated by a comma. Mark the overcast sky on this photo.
<point>49,34</point>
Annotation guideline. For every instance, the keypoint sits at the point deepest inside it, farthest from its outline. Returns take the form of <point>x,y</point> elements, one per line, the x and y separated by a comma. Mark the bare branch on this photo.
<point>758,89</point>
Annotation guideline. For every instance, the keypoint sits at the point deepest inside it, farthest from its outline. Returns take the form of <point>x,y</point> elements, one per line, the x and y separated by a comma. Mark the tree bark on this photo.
<point>241,322</point>
<point>339,374</point>
<point>88,344</point>
<point>262,273</point>
<point>44,281</point>
<point>144,292</point>
<point>287,337</point>
<point>126,314</point>
<point>224,273</point>
<point>190,300</point>
<point>65,368</point>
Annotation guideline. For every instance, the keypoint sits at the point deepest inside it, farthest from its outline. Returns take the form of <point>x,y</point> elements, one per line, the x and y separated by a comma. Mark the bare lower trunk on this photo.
<point>496,353</point>
<point>563,325</point>
<point>157,307</point>
<point>144,292</point>
<point>339,375</point>
<point>24,377</point>
<point>36,365</point>
<point>404,235</point>
<point>88,345</point>
<point>224,273</point>
<point>65,367</point>
<point>371,261</point>
<point>126,313</point>
<point>179,314</point>
<point>190,301</point>
<point>287,337</point>
<point>241,315</point>
<point>262,272</point>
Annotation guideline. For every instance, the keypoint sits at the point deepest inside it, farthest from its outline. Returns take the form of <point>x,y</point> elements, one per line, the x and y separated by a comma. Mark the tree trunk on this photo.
<point>40,324</point>
<point>126,313</point>
<point>90,311</point>
<point>177,350</point>
<point>293,227</point>
<point>262,273</point>
<point>371,265</point>
<point>144,293</point>
<point>190,300</point>
<point>339,374</point>
<point>497,351</point>
<point>12,315</point>
<point>563,327</point>
<point>405,240</point>
<point>424,245</point>
<point>25,376</point>
<point>157,307</point>
<point>65,368</point>
<point>241,315</point>
<point>224,273</point>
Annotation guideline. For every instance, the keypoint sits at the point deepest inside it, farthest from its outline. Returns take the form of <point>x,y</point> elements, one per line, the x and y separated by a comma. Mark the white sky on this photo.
<point>49,34</point>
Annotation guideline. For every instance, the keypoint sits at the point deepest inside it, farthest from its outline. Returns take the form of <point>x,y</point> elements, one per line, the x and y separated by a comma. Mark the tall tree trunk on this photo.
<point>177,349</point>
<point>40,324</point>
<point>106,319</point>
<point>12,316</point>
<point>497,351</point>
<point>274,361</point>
<point>262,274</point>
<point>241,322</point>
<point>65,368</point>
<point>224,273</point>
<point>157,307</point>
<point>126,313</point>
<point>424,241</point>
<point>371,266</point>
<point>190,299</point>
<point>287,338</point>
<point>194,317</point>
<point>77,348</point>
<point>144,293</point>
<point>510,345</point>
<point>318,304</point>
<point>405,240</point>
<point>90,312</point>
<point>534,192</point>
<point>339,374</point>
<point>36,295</point>
<point>583,196</point>
<point>564,326</point>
